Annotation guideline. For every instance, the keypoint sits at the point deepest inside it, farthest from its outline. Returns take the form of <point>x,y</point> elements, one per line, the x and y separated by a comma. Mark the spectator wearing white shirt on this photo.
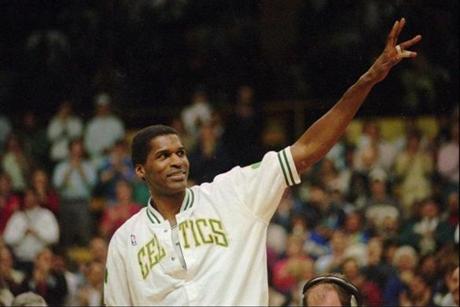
<point>103,130</point>
<point>74,180</point>
<point>30,230</point>
<point>63,127</point>
<point>197,113</point>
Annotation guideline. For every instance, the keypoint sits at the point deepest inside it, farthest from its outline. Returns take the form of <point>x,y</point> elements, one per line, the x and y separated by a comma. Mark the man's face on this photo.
<point>167,167</point>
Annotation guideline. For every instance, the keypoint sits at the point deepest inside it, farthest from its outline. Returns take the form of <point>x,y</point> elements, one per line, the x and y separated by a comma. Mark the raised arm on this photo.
<point>325,132</point>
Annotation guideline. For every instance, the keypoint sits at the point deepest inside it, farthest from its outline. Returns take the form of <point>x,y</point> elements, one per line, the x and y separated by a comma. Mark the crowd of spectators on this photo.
<point>384,213</point>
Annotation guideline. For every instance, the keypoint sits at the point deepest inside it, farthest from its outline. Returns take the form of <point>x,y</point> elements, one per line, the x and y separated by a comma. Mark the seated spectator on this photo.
<point>380,206</point>
<point>376,269</point>
<point>73,279</point>
<point>405,261</point>
<point>448,161</point>
<point>354,227</point>
<point>116,166</point>
<point>427,232</point>
<point>74,180</point>
<point>98,249</point>
<point>30,230</point>
<point>47,195</point>
<point>45,280</point>
<point>90,294</point>
<point>413,167</point>
<point>63,127</point>
<point>371,138</point>
<point>35,140</point>
<point>417,293</point>
<point>122,209</point>
<point>16,163</point>
<point>370,291</point>
<point>103,129</point>
<point>293,268</point>
<point>9,201</point>
<point>452,298</point>
<point>332,261</point>
<point>10,278</point>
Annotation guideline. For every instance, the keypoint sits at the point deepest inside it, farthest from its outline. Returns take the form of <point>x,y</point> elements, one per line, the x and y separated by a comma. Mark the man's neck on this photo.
<point>168,206</point>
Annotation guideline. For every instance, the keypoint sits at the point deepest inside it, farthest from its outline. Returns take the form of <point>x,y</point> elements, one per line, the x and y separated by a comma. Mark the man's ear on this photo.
<point>140,171</point>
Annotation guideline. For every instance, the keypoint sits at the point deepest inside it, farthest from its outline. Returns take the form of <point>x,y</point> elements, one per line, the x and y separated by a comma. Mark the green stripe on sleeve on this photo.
<point>282,168</point>
<point>287,165</point>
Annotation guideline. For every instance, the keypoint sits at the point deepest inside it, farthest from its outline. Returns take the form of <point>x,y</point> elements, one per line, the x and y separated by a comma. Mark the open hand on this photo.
<point>393,52</point>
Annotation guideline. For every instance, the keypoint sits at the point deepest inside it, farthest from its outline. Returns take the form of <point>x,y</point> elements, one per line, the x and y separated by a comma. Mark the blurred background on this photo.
<point>150,54</point>
<point>236,79</point>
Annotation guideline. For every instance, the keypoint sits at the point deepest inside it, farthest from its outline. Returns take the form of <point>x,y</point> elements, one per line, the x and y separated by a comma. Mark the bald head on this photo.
<point>322,295</point>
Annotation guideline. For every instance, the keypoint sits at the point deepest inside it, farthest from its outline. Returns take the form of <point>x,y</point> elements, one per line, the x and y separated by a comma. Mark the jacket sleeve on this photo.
<point>116,289</point>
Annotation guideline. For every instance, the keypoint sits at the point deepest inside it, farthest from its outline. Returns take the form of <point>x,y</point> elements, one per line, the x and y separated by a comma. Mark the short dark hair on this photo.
<point>140,146</point>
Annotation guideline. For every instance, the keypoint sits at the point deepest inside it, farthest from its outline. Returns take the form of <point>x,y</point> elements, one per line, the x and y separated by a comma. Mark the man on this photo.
<point>206,245</point>
<point>330,290</point>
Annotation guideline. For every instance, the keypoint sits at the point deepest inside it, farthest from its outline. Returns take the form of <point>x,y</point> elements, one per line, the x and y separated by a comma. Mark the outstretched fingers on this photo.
<point>392,37</point>
<point>401,48</point>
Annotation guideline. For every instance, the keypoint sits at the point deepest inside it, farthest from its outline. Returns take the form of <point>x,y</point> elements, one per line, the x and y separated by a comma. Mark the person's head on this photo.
<point>245,94</point>
<point>405,258</point>
<point>30,198</point>
<point>418,286</point>
<point>330,290</point>
<point>339,241</point>
<point>76,148</point>
<point>374,251</point>
<point>160,159</point>
<point>350,268</point>
<point>429,208</point>
<point>5,183</point>
<point>378,181</point>
<point>124,191</point>
<point>98,249</point>
<point>39,179</point>
<point>65,108</point>
<point>29,299</point>
<point>413,140</point>
<point>95,273</point>
<point>102,103</point>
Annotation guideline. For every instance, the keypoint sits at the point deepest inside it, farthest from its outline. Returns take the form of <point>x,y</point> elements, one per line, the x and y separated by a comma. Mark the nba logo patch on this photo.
<point>133,240</point>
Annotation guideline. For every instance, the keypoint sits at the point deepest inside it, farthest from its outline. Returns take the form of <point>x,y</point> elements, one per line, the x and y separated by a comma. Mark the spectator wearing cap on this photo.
<point>103,130</point>
<point>382,210</point>
<point>199,111</point>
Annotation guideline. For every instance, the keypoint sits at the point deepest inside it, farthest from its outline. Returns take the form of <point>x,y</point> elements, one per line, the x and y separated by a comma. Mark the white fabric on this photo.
<point>222,229</point>
<point>26,245</point>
